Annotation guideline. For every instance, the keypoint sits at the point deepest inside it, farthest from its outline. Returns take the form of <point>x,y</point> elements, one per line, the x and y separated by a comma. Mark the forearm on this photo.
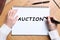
<point>54,35</point>
<point>4,31</point>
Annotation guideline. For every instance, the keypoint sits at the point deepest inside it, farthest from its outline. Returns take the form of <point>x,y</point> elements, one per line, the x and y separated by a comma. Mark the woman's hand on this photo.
<point>10,21</point>
<point>51,26</point>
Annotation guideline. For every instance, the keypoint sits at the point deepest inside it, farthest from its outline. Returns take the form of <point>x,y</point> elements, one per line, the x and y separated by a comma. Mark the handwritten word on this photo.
<point>32,18</point>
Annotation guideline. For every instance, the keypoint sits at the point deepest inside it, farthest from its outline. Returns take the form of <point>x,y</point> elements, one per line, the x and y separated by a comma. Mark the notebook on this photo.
<point>31,21</point>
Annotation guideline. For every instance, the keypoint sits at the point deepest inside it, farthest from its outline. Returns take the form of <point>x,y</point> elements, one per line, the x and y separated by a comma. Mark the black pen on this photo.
<point>53,20</point>
<point>41,2</point>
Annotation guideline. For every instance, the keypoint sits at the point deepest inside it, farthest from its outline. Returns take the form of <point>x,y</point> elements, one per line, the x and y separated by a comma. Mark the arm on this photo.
<point>4,31</point>
<point>6,27</point>
<point>53,33</point>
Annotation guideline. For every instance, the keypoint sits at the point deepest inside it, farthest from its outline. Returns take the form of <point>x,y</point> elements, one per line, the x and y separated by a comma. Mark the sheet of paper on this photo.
<point>31,21</point>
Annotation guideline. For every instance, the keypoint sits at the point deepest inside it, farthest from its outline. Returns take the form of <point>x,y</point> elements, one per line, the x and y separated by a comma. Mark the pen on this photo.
<point>40,2</point>
<point>53,20</point>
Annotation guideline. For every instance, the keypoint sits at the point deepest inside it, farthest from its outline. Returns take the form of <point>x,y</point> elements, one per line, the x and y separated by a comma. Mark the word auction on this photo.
<point>32,18</point>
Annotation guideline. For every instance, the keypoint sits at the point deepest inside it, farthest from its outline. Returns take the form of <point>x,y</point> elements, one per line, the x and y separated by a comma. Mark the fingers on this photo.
<point>12,13</point>
<point>49,20</point>
<point>9,13</point>
<point>16,18</point>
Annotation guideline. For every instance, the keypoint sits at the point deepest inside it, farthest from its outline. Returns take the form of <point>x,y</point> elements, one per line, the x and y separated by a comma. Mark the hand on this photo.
<point>51,26</point>
<point>10,21</point>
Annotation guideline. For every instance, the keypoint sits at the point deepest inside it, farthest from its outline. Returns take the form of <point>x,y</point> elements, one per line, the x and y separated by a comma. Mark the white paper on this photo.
<point>31,27</point>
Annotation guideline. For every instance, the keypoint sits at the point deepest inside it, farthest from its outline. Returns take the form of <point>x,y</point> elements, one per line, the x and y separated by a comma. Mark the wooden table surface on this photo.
<point>54,11</point>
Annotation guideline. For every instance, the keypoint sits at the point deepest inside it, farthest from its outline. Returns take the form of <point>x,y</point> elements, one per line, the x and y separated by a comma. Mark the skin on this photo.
<point>10,21</point>
<point>51,26</point>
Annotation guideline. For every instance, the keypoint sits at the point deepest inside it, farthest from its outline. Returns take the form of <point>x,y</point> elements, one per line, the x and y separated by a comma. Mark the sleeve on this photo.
<point>54,35</point>
<point>4,31</point>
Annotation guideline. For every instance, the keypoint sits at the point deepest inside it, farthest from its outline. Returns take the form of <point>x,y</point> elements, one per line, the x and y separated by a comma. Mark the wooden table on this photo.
<point>55,11</point>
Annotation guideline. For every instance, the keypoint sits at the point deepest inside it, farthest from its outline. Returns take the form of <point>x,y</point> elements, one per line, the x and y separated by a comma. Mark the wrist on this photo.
<point>51,29</point>
<point>8,25</point>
